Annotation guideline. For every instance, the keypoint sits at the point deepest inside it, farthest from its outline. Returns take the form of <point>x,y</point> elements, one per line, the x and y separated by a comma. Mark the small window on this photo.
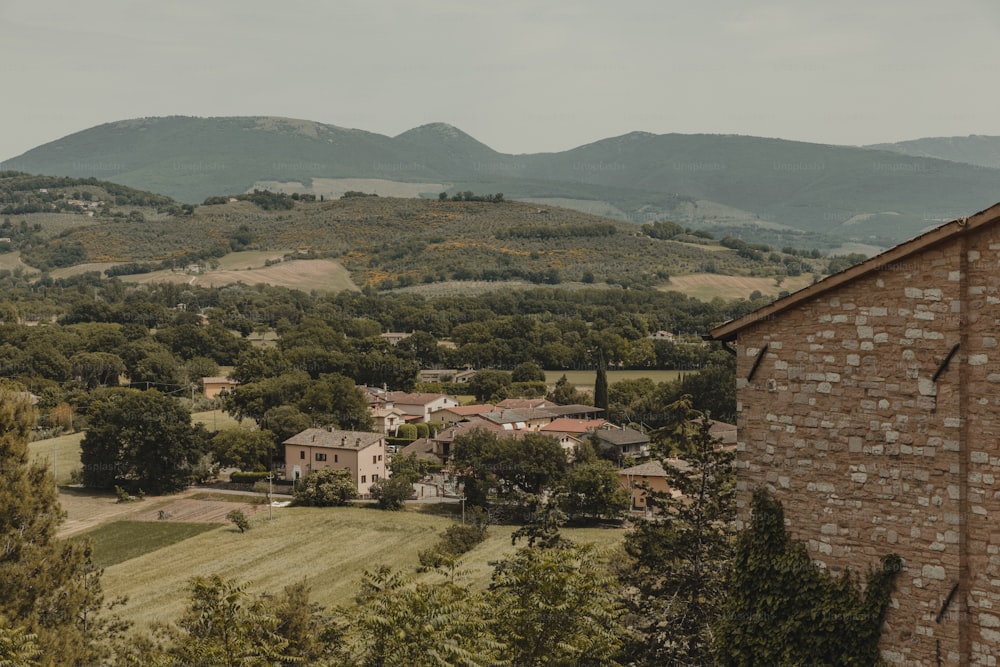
<point>335,457</point>
<point>374,459</point>
<point>379,457</point>
<point>302,454</point>
<point>363,478</point>
<point>374,478</point>
<point>320,457</point>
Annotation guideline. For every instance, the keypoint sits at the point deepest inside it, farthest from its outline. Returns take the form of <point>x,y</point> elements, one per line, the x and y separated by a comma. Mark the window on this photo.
<point>320,457</point>
<point>374,459</point>
<point>374,478</point>
<point>363,477</point>
<point>379,457</point>
<point>335,457</point>
<point>302,454</point>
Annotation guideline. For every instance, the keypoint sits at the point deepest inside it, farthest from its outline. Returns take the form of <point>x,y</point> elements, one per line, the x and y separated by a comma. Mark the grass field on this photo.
<point>12,260</point>
<point>67,454</point>
<point>119,541</point>
<point>216,420</point>
<point>707,286</point>
<point>585,379</point>
<point>301,274</point>
<point>329,548</point>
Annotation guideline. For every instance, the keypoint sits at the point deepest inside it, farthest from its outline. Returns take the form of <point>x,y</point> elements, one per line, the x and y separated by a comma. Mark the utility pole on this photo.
<point>270,503</point>
<point>463,509</point>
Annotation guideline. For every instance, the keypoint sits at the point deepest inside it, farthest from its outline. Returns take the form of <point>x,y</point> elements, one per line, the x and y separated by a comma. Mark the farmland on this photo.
<point>328,548</point>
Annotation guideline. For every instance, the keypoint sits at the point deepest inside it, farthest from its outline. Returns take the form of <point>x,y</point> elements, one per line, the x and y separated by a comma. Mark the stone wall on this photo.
<point>855,424</point>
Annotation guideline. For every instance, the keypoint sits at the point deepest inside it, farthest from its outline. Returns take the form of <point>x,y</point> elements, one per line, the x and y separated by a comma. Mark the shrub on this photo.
<point>391,493</point>
<point>239,519</point>
<point>325,488</point>
<point>247,477</point>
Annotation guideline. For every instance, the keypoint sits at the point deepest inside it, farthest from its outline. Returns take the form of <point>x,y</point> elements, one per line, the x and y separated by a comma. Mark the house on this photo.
<point>394,337</point>
<point>387,419</point>
<point>360,452</point>
<point>523,403</point>
<point>213,386</point>
<point>444,438</point>
<point>531,419</point>
<point>575,411</point>
<point>869,405</point>
<point>663,335</point>
<point>623,441</point>
<point>572,426</point>
<point>648,476</point>
<point>420,405</point>
<point>456,413</point>
<point>445,375</point>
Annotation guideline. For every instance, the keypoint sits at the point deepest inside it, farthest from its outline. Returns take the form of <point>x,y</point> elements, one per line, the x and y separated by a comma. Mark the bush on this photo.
<point>391,493</point>
<point>325,488</point>
<point>455,541</point>
<point>239,519</point>
<point>247,477</point>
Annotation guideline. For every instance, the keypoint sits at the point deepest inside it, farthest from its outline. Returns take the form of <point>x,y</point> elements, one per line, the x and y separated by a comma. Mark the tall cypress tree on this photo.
<point>601,385</point>
<point>48,588</point>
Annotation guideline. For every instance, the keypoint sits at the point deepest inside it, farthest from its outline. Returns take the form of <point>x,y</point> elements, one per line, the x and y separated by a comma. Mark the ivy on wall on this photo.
<point>783,609</point>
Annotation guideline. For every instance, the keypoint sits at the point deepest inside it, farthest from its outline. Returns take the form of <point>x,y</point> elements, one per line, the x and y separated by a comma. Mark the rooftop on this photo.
<point>333,439</point>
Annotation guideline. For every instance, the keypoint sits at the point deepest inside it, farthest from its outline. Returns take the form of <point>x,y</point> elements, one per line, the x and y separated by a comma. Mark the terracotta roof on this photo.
<point>466,410</point>
<point>886,260</point>
<point>218,380</point>
<point>321,437</point>
<point>566,425</point>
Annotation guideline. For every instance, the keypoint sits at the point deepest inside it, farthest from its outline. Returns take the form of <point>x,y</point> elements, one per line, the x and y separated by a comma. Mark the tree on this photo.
<point>140,439</point>
<point>239,519</point>
<point>555,607</point>
<point>601,386</point>
<point>18,648</point>
<point>528,371</point>
<point>243,448</point>
<point>223,626</point>
<point>487,385</point>
<point>391,493</point>
<point>676,565</point>
<point>326,488</point>
<point>566,394</point>
<point>49,588</point>
<point>399,624</point>
<point>509,474</point>
<point>592,491</point>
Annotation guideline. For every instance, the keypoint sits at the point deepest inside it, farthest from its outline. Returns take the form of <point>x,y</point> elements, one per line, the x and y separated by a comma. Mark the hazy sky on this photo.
<point>519,75</point>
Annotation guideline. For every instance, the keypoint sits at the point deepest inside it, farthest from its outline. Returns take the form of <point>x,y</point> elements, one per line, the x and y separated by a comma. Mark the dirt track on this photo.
<point>86,509</point>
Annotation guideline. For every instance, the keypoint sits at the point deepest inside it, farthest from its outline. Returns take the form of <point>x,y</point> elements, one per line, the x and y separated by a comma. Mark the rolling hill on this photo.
<point>976,149</point>
<point>772,190</point>
<point>378,243</point>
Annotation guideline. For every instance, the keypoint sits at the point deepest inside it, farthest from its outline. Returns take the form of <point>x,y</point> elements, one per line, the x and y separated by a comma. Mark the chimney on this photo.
<point>343,441</point>
<point>314,437</point>
<point>357,443</point>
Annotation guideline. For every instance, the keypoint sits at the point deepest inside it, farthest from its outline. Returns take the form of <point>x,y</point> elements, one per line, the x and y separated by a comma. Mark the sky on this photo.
<point>522,76</point>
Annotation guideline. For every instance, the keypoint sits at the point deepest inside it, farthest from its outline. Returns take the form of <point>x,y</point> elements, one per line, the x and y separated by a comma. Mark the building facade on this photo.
<point>869,405</point>
<point>359,452</point>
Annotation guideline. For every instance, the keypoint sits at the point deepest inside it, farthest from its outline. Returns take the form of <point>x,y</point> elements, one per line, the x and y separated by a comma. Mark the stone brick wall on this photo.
<point>855,425</point>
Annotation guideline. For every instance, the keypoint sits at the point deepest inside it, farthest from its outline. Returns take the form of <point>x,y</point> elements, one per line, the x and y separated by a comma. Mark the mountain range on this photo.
<point>772,190</point>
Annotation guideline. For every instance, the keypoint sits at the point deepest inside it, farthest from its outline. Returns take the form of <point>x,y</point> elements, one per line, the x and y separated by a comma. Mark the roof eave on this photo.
<point>728,331</point>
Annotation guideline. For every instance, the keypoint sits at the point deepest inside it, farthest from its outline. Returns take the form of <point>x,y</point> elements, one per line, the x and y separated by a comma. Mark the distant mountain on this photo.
<point>781,192</point>
<point>976,149</point>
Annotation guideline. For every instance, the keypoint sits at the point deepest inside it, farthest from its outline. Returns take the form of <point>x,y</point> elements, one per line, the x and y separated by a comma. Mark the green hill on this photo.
<point>363,242</point>
<point>783,192</point>
<point>976,149</point>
